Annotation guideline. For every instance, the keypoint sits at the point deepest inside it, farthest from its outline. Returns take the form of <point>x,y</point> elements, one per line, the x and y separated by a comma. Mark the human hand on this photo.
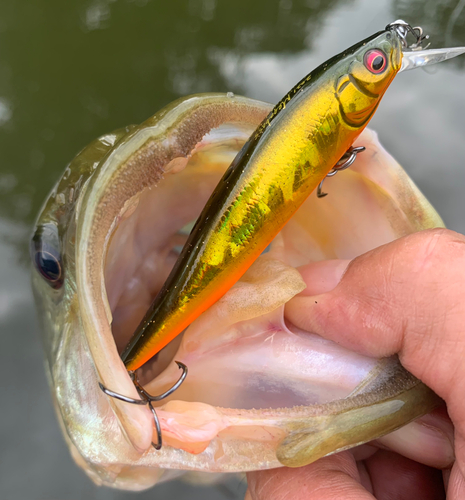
<point>406,297</point>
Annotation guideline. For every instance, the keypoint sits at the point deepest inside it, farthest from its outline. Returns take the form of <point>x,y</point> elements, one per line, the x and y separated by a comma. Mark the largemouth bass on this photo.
<point>258,394</point>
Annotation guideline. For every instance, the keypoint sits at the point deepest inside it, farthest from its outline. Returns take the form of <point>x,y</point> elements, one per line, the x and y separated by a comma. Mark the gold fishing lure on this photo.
<point>286,158</point>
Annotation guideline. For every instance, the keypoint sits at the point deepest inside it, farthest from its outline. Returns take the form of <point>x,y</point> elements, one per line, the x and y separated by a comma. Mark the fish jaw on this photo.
<point>111,440</point>
<point>122,176</point>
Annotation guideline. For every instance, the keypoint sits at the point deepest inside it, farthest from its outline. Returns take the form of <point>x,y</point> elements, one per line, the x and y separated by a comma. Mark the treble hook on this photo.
<point>345,162</point>
<point>148,399</point>
<point>403,29</point>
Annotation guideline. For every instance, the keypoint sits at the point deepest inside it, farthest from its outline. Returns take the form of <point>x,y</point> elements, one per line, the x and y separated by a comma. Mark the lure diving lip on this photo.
<point>420,58</point>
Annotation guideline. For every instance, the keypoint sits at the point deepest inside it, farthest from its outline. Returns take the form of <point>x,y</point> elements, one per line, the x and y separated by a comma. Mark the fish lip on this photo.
<point>95,311</point>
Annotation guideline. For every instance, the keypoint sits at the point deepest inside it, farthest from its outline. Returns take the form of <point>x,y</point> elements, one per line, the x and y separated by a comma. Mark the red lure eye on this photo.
<point>375,61</point>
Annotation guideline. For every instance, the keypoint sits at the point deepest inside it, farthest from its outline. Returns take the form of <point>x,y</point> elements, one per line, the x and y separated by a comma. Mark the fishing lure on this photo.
<point>305,138</point>
<point>295,147</point>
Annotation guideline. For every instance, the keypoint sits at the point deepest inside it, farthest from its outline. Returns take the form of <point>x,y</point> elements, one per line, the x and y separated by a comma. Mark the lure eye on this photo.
<point>375,61</point>
<point>46,255</point>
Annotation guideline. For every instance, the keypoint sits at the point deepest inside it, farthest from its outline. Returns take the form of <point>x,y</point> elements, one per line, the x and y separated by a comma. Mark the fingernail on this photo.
<point>322,277</point>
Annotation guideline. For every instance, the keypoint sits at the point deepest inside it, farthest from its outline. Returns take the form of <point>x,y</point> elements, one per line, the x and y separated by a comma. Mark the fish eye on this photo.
<point>46,255</point>
<point>48,266</point>
<point>375,61</point>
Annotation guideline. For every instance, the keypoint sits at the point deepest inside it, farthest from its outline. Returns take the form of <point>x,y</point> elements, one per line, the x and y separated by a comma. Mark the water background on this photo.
<point>70,71</point>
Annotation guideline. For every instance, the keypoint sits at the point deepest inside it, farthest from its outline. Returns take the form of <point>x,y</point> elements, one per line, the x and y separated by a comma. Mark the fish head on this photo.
<point>372,66</point>
<point>259,393</point>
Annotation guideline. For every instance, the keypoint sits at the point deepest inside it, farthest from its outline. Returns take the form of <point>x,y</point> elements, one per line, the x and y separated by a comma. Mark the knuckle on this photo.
<point>439,247</point>
<point>444,238</point>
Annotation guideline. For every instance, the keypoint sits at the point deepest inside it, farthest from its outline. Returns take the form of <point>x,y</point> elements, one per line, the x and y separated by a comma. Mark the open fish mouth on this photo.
<point>260,392</point>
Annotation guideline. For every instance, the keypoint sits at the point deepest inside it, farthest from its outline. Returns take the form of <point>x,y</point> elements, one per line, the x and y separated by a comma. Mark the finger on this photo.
<point>322,277</point>
<point>330,478</point>
<point>406,297</point>
<point>365,479</point>
<point>395,477</point>
<point>428,440</point>
<point>456,484</point>
<point>364,451</point>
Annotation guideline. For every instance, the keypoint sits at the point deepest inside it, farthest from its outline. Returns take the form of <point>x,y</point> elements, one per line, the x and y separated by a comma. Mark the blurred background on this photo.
<point>71,71</point>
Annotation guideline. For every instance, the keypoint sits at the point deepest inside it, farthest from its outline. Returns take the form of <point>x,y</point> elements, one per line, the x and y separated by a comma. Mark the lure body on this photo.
<point>282,163</point>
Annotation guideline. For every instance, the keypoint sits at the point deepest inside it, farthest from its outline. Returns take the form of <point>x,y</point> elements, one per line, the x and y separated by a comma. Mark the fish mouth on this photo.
<point>152,229</point>
<point>254,379</point>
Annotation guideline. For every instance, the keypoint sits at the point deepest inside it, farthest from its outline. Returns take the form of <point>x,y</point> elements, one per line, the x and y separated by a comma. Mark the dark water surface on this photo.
<point>70,71</point>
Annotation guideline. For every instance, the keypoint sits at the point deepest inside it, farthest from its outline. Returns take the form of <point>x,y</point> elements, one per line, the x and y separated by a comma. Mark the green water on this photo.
<point>70,71</point>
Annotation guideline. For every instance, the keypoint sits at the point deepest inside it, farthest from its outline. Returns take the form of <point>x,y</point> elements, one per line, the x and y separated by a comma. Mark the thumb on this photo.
<point>330,478</point>
<point>406,297</point>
